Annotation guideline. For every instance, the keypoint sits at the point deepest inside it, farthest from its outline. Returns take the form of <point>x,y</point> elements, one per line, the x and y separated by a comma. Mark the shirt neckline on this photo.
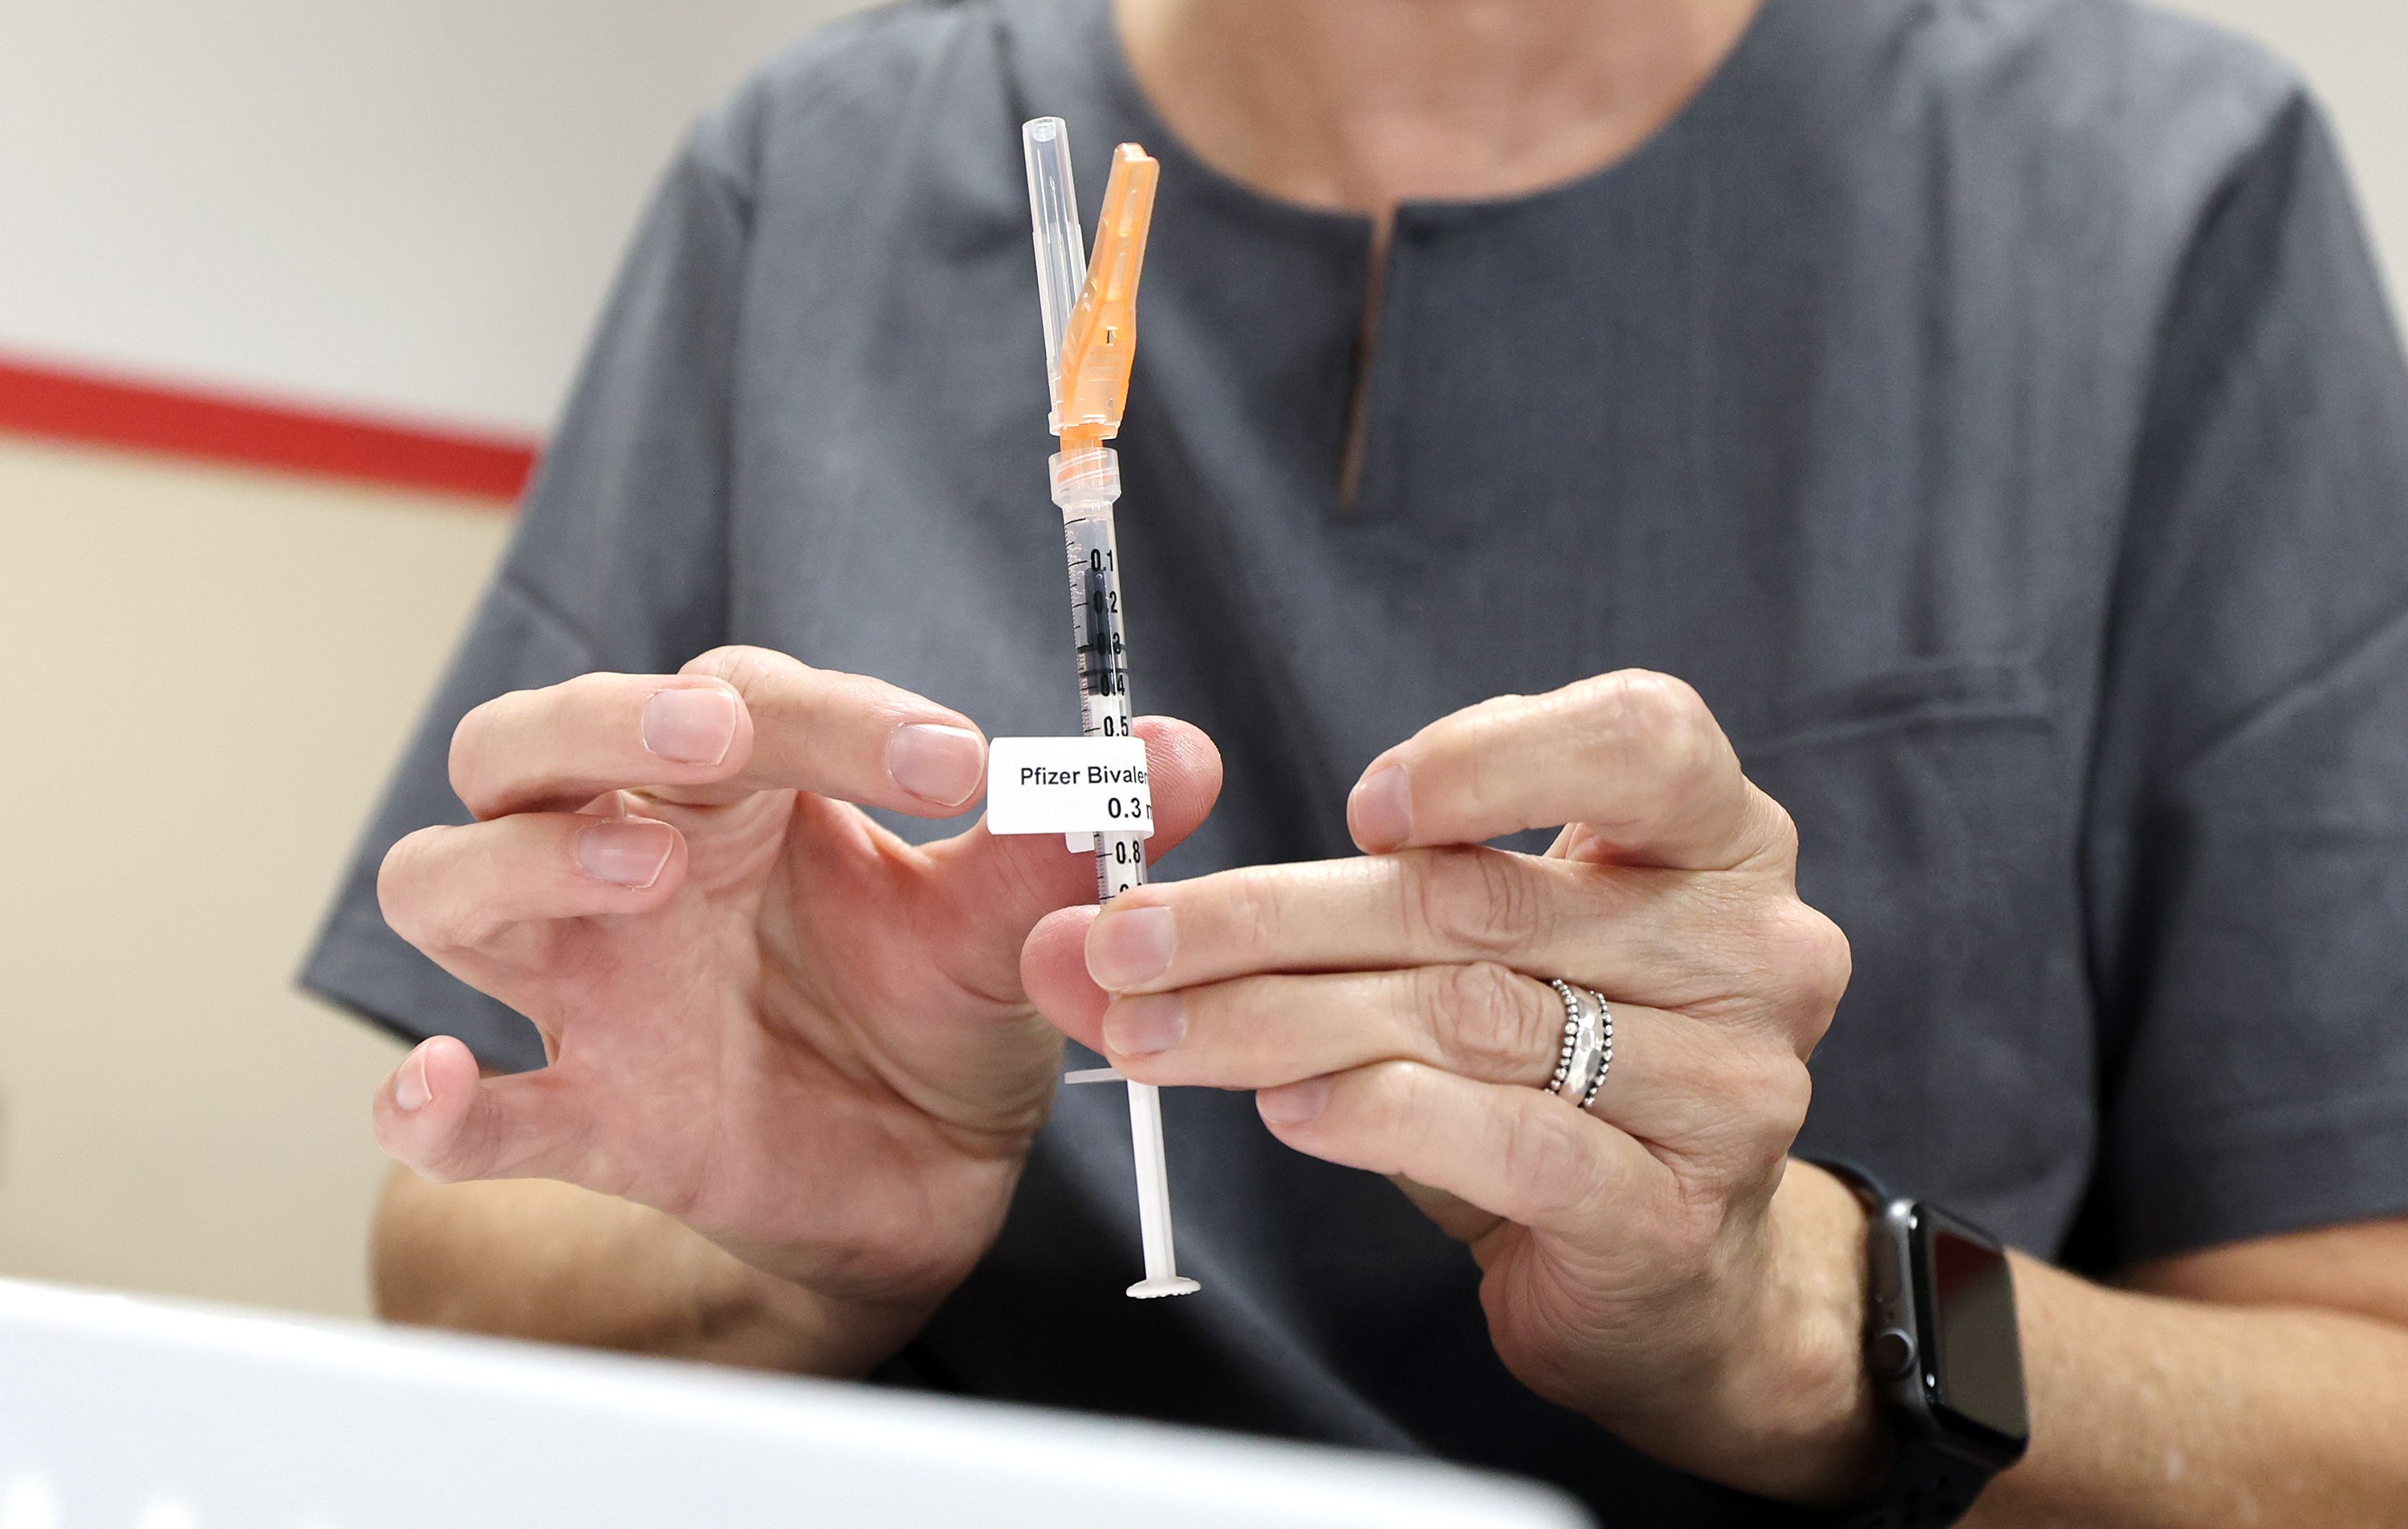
<point>1129,103</point>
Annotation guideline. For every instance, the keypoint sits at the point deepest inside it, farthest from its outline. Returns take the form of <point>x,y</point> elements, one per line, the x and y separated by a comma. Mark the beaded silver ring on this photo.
<point>1584,1040</point>
<point>1571,1033</point>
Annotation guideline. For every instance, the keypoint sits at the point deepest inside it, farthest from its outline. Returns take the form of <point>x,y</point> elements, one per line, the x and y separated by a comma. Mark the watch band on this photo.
<point>1869,1189</point>
<point>1925,1490</point>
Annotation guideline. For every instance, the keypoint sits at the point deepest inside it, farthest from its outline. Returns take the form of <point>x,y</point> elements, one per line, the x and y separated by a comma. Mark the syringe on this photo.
<point>1090,314</point>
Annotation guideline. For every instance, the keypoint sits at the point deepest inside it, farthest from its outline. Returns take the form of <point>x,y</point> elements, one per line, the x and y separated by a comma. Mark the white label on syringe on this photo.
<point>1068,786</point>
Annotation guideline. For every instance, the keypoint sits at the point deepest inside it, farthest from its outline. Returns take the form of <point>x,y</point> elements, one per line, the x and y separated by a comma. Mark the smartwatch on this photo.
<point>1945,1357</point>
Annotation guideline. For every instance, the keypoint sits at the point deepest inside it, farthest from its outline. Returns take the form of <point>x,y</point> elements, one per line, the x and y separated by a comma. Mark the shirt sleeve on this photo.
<point>2246,850</point>
<point>618,562</point>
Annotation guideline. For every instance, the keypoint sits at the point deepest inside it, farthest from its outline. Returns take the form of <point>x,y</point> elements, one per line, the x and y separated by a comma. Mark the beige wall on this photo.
<point>411,205</point>
<point>206,674</point>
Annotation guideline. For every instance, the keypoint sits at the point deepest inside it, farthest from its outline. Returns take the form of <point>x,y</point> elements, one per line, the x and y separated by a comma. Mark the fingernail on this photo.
<point>1292,1104</point>
<point>1129,946</point>
<point>1381,811</point>
<point>939,763</point>
<point>410,1090</point>
<point>628,851</point>
<point>1145,1025</point>
<point>694,726</point>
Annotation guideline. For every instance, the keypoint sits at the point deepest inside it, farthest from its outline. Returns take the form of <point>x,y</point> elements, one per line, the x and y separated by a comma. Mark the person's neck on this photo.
<point>1359,105</point>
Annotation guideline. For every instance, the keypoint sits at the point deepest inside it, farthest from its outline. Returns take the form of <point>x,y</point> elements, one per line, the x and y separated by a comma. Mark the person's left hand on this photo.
<point>1657,1262</point>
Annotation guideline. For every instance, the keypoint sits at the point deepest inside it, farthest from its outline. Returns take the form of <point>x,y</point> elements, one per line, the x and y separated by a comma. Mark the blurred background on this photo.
<point>289,292</point>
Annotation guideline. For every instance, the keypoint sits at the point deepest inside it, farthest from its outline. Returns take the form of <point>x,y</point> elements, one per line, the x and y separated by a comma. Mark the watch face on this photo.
<point>1973,1360</point>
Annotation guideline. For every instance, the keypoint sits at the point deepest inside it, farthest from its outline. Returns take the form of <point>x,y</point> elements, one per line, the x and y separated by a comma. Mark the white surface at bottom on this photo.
<point>121,1412</point>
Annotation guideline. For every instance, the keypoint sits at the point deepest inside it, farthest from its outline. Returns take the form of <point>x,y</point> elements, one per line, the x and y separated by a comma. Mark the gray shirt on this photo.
<point>1988,404</point>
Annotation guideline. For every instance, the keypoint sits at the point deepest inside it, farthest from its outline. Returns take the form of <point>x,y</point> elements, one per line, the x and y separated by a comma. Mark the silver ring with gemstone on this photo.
<point>1604,1050</point>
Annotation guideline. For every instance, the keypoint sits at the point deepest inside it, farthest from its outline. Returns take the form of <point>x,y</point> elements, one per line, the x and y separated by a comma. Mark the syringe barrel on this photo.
<point>1086,480</point>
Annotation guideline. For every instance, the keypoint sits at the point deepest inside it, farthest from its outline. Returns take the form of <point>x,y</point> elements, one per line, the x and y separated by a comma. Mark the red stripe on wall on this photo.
<point>71,404</point>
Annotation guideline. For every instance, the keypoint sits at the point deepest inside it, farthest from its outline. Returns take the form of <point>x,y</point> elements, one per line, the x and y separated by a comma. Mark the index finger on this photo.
<point>1634,758</point>
<point>847,735</point>
<point>734,720</point>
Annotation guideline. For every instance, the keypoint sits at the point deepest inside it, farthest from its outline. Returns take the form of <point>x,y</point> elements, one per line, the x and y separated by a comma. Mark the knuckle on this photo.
<point>593,688</point>
<point>439,1160</point>
<point>445,1166</point>
<point>1781,1089</point>
<point>1764,1091</point>
<point>1251,906</point>
<point>414,891</point>
<point>1655,700</point>
<point>1807,957</point>
<point>486,737</point>
<point>1657,706</point>
<point>767,684</point>
<point>468,1154</point>
<point>1780,833</point>
<point>1472,900</point>
<point>1770,937</point>
<point>1485,1013</point>
<point>587,695</point>
<point>402,883</point>
<point>742,666</point>
<point>471,743</point>
<point>1835,969</point>
<point>1795,1103</point>
<point>1656,728</point>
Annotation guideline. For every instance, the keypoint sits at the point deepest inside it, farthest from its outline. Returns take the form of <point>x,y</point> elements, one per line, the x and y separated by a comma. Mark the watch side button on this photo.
<point>1890,1354</point>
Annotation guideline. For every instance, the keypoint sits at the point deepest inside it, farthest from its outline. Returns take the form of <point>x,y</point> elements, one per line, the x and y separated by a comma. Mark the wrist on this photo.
<point>1821,1406</point>
<point>1800,1417</point>
<point>841,1310</point>
<point>773,1322</point>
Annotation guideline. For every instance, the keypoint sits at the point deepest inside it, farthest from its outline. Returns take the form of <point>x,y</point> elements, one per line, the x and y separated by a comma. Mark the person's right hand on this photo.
<point>765,1015</point>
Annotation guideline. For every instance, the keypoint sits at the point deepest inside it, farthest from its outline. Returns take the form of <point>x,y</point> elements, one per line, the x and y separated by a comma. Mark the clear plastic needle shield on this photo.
<point>1090,314</point>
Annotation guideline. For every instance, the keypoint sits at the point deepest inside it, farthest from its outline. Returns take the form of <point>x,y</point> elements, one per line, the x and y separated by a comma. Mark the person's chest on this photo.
<point>1841,475</point>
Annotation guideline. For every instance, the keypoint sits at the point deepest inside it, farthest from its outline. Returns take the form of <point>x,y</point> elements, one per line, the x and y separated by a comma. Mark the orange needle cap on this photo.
<point>1099,344</point>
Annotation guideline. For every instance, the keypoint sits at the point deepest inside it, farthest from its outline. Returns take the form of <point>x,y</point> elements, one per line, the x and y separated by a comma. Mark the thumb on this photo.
<point>1054,974</point>
<point>1006,884</point>
<point>436,1116</point>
